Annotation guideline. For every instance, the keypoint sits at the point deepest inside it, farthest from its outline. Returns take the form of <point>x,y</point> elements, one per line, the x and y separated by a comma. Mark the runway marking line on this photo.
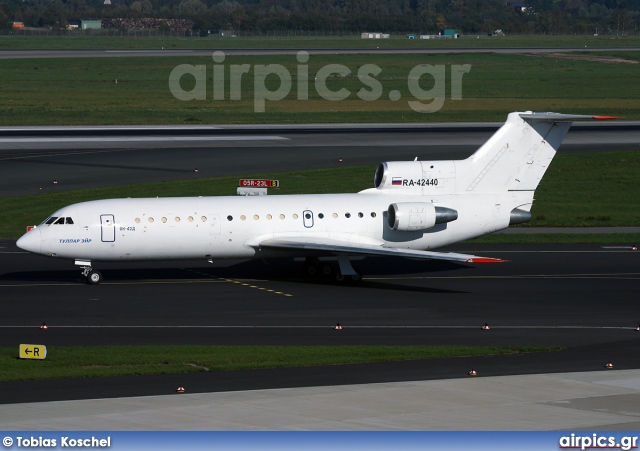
<point>474,327</point>
<point>139,282</point>
<point>620,276</point>
<point>238,282</point>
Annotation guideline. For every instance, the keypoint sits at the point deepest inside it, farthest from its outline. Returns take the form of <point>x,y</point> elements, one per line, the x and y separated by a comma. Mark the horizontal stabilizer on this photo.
<point>337,247</point>
<point>558,117</point>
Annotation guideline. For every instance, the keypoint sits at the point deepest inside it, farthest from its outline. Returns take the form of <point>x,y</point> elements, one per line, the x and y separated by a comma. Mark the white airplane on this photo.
<point>414,206</point>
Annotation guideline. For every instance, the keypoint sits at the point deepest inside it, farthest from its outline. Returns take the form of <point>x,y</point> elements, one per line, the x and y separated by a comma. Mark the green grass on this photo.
<point>92,40</point>
<point>78,91</point>
<point>100,361</point>
<point>578,190</point>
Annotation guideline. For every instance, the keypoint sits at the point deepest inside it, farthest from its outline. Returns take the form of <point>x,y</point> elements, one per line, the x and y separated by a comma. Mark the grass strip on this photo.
<point>103,361</point>
<point>134,91</point>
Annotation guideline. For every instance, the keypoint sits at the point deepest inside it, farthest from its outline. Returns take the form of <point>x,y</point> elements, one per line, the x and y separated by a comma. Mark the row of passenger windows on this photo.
<point>255,217</point>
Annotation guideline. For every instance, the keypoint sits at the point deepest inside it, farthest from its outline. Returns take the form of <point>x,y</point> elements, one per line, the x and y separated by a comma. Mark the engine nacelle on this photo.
<point>414,216</point>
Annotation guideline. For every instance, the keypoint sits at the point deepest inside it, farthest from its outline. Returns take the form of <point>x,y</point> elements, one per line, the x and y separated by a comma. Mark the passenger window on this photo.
<point>137,220</point>
<point>347,215</point>
<point>281,216</point>
<point>68,221</point>
<point>269,217</point>
<point>229,218</point>
<point>360,215</point>
<point>335,215</point>
<point>373,214</point>
<point>294,216</point>
<point>320,215</point>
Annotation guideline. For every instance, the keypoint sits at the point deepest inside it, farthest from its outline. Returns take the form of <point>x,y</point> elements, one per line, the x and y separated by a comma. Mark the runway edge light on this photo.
<point>30,351</point>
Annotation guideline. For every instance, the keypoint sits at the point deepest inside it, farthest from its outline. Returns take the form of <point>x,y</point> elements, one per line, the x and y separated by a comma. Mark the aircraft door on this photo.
<point>307,218</point>
<point>107,228</point>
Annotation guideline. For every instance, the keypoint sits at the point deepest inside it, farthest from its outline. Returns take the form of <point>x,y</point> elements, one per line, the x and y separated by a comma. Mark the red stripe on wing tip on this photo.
<point>605,118</point>
<point>486,260</point>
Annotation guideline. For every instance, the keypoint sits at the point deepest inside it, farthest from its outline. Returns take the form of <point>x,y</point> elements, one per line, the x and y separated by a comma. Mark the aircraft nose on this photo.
<point>30,241</point>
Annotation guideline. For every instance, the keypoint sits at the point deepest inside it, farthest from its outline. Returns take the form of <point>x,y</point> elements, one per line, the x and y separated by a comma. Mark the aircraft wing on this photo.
<point>337,247</point>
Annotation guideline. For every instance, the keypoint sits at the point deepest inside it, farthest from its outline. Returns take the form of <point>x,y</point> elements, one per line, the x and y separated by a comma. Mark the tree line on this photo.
<point>416,16</point>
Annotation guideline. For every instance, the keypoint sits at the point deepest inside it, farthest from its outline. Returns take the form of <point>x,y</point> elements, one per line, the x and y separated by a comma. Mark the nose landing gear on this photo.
<point>93,276</point>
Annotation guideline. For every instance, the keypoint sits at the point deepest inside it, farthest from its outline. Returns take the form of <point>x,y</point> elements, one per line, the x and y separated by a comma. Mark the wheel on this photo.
<point>339,277</point>
<point>94,277</point>
<point>357,277</point>
<point>311,270</point>
<point>327,269</point>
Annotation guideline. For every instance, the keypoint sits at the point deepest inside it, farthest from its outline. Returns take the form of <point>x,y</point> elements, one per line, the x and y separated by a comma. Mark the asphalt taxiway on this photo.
<point>583,298</point>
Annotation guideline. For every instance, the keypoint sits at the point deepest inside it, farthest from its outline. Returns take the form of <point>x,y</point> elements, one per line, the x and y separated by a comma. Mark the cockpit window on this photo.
<point>51,219</point>
<point>68,221</point>
<point>59,221</point>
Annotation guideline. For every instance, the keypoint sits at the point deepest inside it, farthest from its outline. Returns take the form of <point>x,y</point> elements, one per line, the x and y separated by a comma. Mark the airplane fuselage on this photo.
<point>415,206</point>
<point>233,227</point>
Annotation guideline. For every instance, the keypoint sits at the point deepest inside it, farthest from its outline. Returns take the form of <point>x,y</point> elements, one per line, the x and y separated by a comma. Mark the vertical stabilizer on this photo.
<point>516,157</point>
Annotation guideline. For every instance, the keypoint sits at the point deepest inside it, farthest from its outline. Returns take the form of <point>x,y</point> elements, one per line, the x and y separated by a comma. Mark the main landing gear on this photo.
<point>93,276</point>
<point>344,272</point>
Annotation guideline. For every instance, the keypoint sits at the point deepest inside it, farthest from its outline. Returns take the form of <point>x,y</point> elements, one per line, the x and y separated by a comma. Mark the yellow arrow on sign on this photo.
<point>33,351</point>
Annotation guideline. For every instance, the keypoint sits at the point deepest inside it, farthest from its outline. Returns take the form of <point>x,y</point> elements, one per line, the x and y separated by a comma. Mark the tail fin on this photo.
<point>516,157</point>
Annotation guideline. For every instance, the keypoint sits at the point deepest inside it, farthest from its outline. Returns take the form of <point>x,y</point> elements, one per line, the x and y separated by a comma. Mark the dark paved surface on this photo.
<point>30,167</point>
<point>584,298</point>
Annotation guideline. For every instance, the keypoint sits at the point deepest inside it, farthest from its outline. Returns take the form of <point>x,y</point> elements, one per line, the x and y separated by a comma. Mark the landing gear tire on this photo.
<point>311,270</point>
<point>94,277</point>
<point>356,278</point>
<point>339,277</point>
<point>327,269</point>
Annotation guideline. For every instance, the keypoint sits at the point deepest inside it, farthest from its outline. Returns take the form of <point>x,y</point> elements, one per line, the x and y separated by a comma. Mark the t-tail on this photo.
<point>516,157</point>
<point>513,160</point>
